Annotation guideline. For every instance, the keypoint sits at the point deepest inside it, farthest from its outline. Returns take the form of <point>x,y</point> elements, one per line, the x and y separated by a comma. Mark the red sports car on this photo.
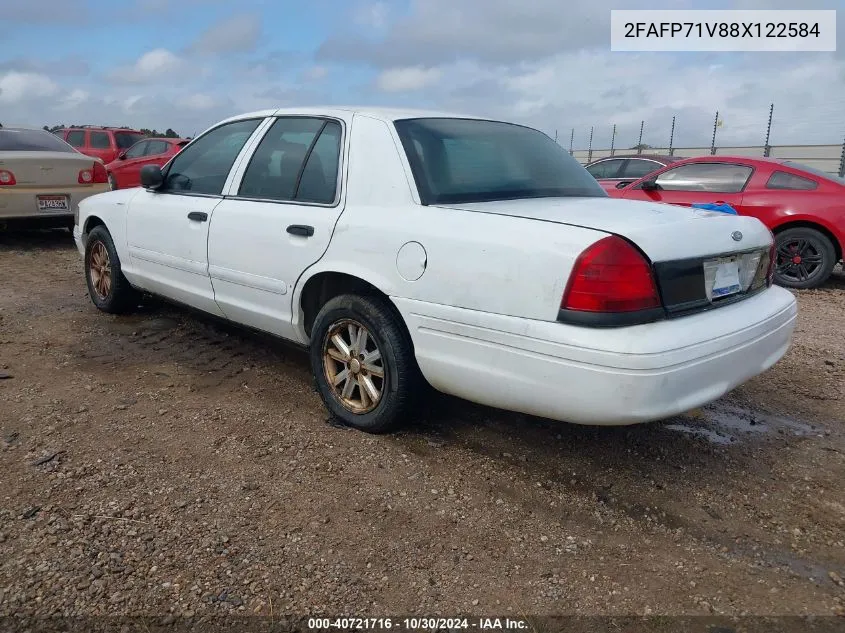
<point>125,171</point>
<point>804,207</point>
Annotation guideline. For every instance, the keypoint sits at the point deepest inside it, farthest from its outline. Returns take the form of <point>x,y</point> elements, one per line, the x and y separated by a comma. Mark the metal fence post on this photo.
<point>640,142</point>
<point>713,140</point>
<point>767,149</point>
<point>842,161</point>
<point>672,138</point>
<point>613,140</point>
<point>571,141</point>
<point>590,147</point>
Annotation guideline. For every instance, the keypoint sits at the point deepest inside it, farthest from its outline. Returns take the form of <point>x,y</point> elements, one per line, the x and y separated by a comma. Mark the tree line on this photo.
<point>168,133</point>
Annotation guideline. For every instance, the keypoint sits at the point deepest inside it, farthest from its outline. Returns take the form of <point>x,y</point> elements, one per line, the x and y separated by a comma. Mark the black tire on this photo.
<point>120,297</point>
<point>401,378</point>
<point>804,258</point>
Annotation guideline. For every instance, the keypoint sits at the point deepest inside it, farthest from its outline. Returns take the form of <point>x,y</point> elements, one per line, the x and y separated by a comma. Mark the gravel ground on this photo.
<point>165,464</point>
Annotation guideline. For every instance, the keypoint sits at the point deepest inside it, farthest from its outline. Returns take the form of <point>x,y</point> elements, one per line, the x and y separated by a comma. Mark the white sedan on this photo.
<point>477,255</point>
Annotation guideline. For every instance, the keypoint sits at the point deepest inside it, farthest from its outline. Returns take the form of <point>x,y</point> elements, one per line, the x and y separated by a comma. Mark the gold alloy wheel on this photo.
<point>353,366</point>
<point>100,267</point>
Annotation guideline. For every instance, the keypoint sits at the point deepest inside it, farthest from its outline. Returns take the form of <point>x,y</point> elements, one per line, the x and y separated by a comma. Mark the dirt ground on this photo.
<point>163,463</point>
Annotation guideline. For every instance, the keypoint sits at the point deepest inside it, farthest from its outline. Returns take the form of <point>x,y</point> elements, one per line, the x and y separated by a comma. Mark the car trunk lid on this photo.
<point>45,169</point>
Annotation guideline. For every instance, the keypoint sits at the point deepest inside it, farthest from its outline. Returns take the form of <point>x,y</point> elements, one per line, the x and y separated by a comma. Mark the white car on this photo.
<point>477,255</point>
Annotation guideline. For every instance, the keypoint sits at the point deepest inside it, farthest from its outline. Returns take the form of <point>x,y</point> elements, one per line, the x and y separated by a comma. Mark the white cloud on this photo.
<point>373,16</point>
<point>152,66</point>
<point>231,35</point>
<point>197,101</point>
<point>315,73</point>
<point>16,87</point>
<point>407,79</point>
<point>74,99</point>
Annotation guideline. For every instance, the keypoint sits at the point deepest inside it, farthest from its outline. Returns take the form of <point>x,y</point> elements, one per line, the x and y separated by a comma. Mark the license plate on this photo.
<point>50,204</point>
<point>725,277</point>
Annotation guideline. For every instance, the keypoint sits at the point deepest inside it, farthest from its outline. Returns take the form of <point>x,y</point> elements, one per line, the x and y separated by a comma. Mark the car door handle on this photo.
<point>301,229</point>
<point>198,216</point>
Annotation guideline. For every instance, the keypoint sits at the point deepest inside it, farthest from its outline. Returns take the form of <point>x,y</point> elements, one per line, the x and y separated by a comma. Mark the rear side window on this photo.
<point>638,167</point>
<point>12,140</point>
<point>157,147</point>
<point>100,140</point>
<point>126,140</point>
<point>605,168</point>
<point>296,160</point>
<point>76,138</point>
<point>784,180</point>
<point>706,177</point>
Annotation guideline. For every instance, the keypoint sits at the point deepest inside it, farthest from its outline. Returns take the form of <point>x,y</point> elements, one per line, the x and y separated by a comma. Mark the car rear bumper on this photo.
<point>21,201</point>
<point>600,377</point>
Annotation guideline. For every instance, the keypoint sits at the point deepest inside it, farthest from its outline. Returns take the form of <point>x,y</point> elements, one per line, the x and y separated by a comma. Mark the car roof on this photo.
<point>384,114</point>
<point>663,158</point>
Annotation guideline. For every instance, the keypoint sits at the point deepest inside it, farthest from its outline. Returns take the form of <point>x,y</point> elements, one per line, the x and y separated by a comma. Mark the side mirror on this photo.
<point>121,156</point>
<point>650,185</point>
<point>151,177</point>
<point>623,183</point>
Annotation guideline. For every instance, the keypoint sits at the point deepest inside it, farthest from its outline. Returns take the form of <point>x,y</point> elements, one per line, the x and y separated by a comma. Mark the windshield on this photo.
<point>126,140</point>
<point>12,140</point>
<point>814,171</point>
<point>468,160</point>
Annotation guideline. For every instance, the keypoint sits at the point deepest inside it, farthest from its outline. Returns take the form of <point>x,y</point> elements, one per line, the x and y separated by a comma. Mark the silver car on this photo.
<point>44,178</point>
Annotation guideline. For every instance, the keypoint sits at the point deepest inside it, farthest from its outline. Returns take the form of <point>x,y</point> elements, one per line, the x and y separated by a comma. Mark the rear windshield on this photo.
<point>468,160</point>
<point>814,171</point>
<point>125,140</point>
<point>31,141</point>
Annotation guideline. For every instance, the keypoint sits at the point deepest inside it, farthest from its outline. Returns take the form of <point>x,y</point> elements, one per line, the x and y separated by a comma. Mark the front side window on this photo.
<point>100,140</point>
<point>204,167</point>
<point>137,150</point>
<point>14,140</point>
<point>639,167</point>
<point>297,160</point>
<point>468,160</point>
<point>605,168</point>
<point>706,177</point>
<point>76,138</point>
<point>784,180</point>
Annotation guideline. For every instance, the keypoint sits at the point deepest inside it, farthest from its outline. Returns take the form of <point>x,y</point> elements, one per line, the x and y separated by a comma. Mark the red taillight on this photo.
<point>773,261</point>
<point>100,174</point>
<point>7,178</point>
<point>611,276</point>
<point>95,175</point>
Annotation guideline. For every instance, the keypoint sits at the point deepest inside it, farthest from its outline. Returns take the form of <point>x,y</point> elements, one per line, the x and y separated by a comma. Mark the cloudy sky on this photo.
<point>188,63</point>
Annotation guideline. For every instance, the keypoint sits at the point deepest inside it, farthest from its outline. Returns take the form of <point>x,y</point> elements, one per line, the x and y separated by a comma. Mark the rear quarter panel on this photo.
<point>473,260</point>
<point>110,208</point>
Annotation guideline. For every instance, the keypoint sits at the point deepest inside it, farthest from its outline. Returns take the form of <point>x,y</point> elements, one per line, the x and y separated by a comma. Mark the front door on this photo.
<point>167,229</point>
<point>277,221</point>
<point>694,183</point>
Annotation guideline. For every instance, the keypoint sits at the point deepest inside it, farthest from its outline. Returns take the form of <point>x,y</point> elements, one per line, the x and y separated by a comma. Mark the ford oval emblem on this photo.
<point>736,236</point>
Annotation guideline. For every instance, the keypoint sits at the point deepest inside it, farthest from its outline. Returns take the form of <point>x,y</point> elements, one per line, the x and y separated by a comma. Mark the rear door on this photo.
<point>694,183</point>
<point>276,221</point>
<point>100,145</point>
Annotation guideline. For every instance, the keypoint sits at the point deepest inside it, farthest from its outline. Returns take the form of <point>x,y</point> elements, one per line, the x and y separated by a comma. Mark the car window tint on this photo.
<point>319,178</point>
<point>204,166</point>
<point>784,180</point>
<point>274,168</point>
<point>638,167</point>
<point>706,177</point>
<point>100,140</point>
<point>605,168</point>
<point>157,147</point>
<point>16,140</point>
<point>127,139</point>
<point>471,160</point>
<point>76,138</point>
<point>137,150</point>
